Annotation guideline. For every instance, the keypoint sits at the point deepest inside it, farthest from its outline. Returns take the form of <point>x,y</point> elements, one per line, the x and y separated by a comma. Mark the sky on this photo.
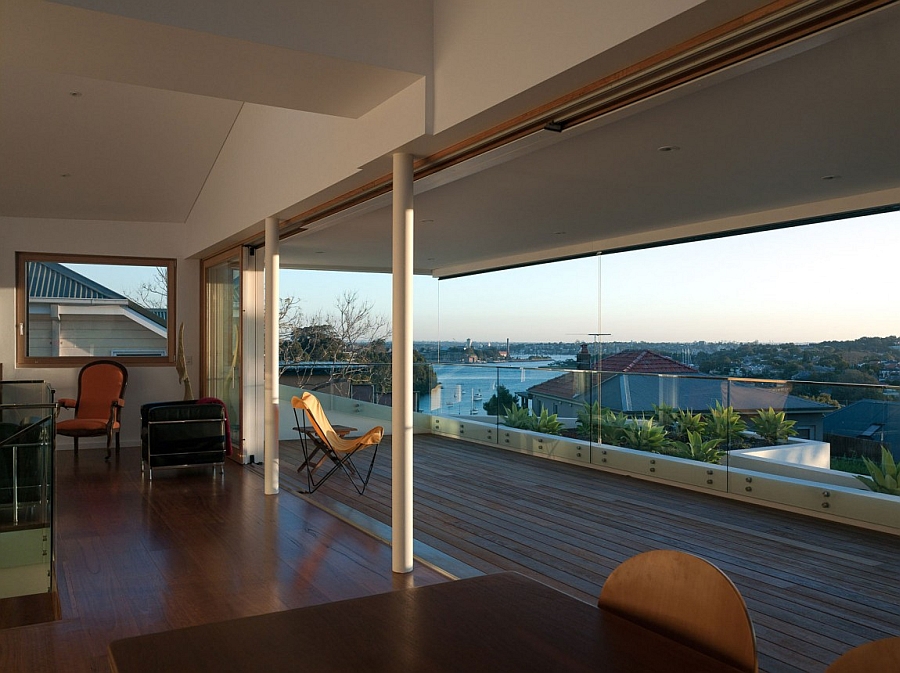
<point>828,281</point>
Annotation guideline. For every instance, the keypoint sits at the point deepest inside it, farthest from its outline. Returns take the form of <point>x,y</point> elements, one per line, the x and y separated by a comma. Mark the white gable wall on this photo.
<point>145,384</point>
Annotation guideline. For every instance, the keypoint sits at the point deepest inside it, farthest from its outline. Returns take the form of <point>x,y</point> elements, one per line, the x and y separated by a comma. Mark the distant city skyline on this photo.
<point>819,282</point>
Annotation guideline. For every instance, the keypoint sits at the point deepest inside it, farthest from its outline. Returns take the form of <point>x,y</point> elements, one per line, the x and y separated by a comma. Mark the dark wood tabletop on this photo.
<point>502,622</point>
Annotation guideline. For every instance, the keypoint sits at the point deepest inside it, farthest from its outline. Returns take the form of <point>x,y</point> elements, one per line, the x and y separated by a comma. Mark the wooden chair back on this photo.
<point>879,655</point>
<point>687,598</point>
<point>100,384</point>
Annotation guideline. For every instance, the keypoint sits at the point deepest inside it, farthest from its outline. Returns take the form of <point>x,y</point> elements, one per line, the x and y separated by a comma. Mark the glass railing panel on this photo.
<point>27,429</point>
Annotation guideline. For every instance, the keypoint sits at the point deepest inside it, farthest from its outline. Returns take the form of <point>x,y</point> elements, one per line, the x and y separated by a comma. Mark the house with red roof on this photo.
<point>637,381</point>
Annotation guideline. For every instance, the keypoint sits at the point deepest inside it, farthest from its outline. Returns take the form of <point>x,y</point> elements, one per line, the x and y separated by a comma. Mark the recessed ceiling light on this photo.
<point>320,252</point>
<point>558,233</point>
<point>75,94</point>
<point>668,148</point>
<point>65,175</point>
<point>426,221</point>
<point>831,177</point>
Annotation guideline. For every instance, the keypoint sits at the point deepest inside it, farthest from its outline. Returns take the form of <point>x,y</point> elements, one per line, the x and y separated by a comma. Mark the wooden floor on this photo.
<point>814,588</point>
<point>191,548</point>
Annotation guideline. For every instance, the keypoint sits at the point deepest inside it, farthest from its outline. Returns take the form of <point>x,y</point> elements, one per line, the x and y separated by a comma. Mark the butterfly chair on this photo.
<point>686,598</point>
<point>101,393</point>
<point>879,655</point>
<point>319,436</point>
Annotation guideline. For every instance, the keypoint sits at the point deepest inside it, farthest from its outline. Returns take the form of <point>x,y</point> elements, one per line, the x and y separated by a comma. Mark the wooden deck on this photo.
<point>190,548</point>
<point>814,588</point>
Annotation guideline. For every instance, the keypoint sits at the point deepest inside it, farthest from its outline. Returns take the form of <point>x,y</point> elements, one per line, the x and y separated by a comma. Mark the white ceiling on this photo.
<point>135,112</point>
<point>762,137</point>
<point>754,139</point>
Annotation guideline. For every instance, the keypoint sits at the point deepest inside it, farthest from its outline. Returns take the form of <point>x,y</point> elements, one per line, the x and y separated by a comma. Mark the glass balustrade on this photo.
<point>27,430</point>
<point>813,445</point>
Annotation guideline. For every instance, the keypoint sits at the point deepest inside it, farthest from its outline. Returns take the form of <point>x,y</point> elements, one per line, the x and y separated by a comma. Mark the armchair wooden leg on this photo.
<point>75,439</point>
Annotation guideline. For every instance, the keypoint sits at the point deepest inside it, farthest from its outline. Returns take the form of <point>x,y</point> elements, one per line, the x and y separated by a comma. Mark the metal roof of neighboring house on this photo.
<point>49,280</point>
<point>875,420</point>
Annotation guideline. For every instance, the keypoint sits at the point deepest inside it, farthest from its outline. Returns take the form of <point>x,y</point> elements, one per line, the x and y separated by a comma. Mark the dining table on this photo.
<point>497,622</point>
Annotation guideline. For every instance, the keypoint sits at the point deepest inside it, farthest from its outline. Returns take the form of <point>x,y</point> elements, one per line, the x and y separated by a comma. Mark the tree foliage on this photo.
<point>500,400</point>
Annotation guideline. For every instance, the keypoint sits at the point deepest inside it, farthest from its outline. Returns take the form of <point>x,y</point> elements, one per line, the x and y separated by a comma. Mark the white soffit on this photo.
<point>58,38</point>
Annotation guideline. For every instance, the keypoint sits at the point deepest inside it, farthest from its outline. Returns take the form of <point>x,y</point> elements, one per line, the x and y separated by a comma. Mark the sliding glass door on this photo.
<point>222,312</point>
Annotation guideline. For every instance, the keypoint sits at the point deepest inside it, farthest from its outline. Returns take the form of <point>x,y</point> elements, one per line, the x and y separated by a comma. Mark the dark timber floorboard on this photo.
<point>814,588</point>
<point>190,548</point>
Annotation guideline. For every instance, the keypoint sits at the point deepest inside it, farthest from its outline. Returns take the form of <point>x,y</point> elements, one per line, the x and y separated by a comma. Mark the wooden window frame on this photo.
<point>22,357</point>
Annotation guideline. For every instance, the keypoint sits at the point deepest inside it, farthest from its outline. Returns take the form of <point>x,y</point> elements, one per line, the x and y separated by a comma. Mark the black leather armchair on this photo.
<point>182,434</point>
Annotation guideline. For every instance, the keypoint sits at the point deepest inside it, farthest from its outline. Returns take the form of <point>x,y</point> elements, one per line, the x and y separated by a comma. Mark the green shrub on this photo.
<point>645,436</point>
<point>696,448</point>
<point>547,423</point>
<point>612,427</point>
<point>517,417</point>
<point>685,421</point>
<point>772,426</point>
<point>664,415</point>
<point>883,479</point>
<point>726,424</point>
<point>588,424</point>
<point>523,419</point>
<point>499,401</point>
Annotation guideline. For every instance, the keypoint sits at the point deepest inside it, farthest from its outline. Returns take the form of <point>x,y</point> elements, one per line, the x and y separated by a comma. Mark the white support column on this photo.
<point>402,363</point>
<point>273,262</point>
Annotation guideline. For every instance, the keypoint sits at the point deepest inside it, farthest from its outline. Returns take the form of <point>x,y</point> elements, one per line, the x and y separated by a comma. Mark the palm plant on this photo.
<point>547,423</point>
<point>588,423</point>
<point>645,436</point>
<point>772,426</point>
<point>523,419</point>
<point>696,448</point>
<point>686,421</point>
<point>664,415</point>
<point>884,478</point>
<point>726,424</point>
<point>517,417</point>
<point>612,427</point>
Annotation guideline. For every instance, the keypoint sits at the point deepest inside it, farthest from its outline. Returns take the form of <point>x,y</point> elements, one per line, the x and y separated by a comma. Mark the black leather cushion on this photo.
<point>182,433</point>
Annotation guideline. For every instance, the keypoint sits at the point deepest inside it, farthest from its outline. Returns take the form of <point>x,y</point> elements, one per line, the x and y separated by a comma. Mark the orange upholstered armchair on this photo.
<point>101,394</point>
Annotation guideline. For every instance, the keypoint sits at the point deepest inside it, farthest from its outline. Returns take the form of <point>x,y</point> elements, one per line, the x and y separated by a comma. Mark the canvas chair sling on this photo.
<point>317,435</point>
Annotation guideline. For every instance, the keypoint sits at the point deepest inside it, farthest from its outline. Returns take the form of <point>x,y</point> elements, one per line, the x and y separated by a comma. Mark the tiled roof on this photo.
<point>643,362</point>
<point>629,383</point>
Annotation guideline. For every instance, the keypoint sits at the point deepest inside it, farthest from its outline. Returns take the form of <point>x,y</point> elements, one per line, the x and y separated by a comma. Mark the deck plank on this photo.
<point>814,588</point>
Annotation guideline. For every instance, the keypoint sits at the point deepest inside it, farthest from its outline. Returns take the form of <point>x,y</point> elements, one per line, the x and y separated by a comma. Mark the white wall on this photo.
<point>145,384</point>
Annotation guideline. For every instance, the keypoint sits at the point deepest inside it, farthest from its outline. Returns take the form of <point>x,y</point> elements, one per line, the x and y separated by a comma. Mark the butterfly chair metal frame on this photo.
<point>318,435</point>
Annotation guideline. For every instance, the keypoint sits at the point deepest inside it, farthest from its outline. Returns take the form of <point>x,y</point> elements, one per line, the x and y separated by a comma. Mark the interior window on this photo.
<point>71,309</point>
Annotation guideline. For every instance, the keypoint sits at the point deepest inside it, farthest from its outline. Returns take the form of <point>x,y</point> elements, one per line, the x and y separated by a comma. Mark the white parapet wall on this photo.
<point>798,459</point>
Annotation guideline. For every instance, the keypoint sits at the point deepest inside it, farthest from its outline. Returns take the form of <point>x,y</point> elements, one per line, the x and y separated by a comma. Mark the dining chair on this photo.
<point>686,598</point>
<point>878,655</point>
<point>319,436</point>
<point>101,396</point>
